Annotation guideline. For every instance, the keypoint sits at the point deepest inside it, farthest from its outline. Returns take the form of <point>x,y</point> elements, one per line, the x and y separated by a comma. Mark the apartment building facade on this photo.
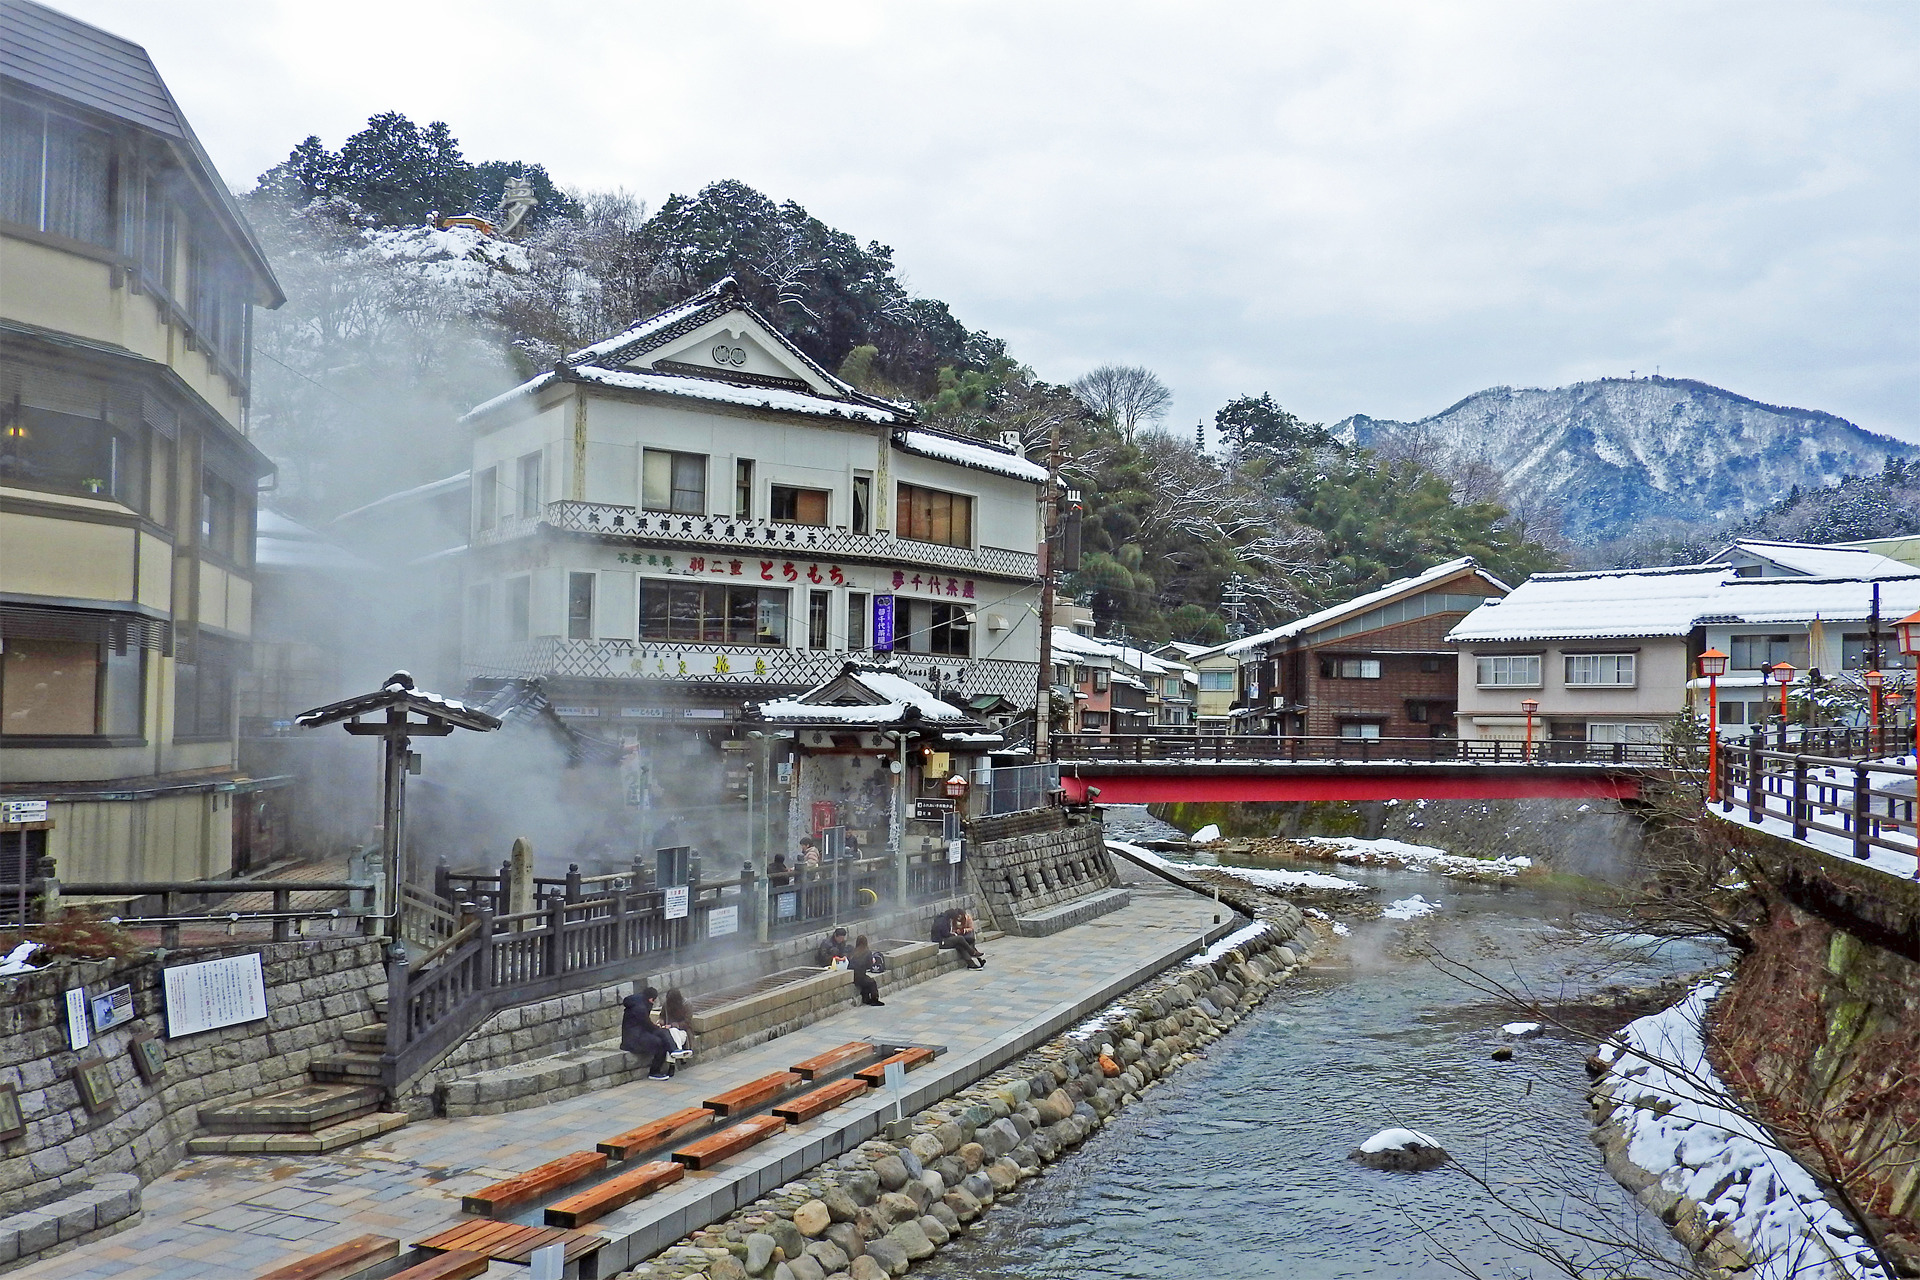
<point>127,482</point>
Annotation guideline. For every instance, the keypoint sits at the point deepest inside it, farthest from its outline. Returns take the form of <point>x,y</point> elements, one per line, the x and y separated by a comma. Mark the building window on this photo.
<point>712,614</point>
<point>675,482</point>
<point>1217,681</point>
<point>951,632</point>
<point>1614,670</point>
<point>1516,670</point>
<point>1349,668</point>
<point>519,603</point>
<point>743,489</point>
<point>580,606</point>
<point>798,506</point>
<point>56,174</point>
<point>929,515</point>
<point>1366,730</point>
<point>1856,656</point>
<point>1417,713</point>
<point>1093,721</point>
<point>1750,653</point>
<point>1632,732</point>
<point>49,687</point>
<point>219,515</point>
<point>1101,678</point>
<point>1431,665</point>
<point>69,452</point>
<point>856,620</point>
<point>817,618</point>
<point>480,613</point>
<point>486,493</point>
<point>863,504</point>
<point>530,494</point>
<point>203,684</point>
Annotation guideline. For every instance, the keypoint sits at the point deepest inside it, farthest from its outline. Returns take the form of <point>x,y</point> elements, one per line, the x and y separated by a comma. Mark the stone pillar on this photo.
<point>520,877</point>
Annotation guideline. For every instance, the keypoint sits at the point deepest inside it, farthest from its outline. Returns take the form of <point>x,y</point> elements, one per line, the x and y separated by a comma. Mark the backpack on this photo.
<point>876,963</point>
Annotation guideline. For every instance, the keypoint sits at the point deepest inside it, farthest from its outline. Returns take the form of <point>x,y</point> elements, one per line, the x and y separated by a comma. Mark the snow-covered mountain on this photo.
<point>1619,456</point>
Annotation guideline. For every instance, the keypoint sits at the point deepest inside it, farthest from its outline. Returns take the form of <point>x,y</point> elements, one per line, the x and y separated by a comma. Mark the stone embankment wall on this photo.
<point>316,990</point>
<point>877,1211</point>
<point>1024,864</point>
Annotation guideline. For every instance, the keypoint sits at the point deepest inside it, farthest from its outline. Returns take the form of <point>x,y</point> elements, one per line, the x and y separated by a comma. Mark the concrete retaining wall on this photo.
<point>1042,868</point>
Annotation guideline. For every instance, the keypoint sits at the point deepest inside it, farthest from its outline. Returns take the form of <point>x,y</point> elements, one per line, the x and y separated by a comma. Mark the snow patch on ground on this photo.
<point>1207,834</point>
<point>20,959</point>
<point>1238,938</point>
<point>1339,930</point>
<point>1410,908</point>
<point>1680,1118</point>
<point>1421,856</point>
<point>1263,878</point>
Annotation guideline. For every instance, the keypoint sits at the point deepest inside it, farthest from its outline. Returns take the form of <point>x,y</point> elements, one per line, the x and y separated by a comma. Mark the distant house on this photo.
<point>1611,655</point>
<point>1214,679</point>
<point>1377,666</point>
<point>1753,558</point>
<point>1117,688</point>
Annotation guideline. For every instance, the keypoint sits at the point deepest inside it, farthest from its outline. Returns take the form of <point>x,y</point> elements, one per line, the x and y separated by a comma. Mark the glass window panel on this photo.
<point>817,619</point>
<point>689,483</point>
<point>856,620</point>
<point>580,606</point>
<point>124,713</point>
<point>48,687</point>
<point>773,617</point>
<point>21,143</point>
<point>486,495</point>
<point>743,489</point>
<point>530,482</point>
<point>863,504</point>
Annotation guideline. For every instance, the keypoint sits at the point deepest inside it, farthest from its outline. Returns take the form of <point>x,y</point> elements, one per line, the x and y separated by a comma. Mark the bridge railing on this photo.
<point>1210,748</point>
<point>1857,805</point>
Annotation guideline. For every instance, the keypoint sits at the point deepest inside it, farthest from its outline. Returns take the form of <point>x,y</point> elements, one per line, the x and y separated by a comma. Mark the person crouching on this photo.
<point>866,963</point>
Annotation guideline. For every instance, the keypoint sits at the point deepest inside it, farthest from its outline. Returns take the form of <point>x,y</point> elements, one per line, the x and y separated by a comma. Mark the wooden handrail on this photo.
<point>466,931</point>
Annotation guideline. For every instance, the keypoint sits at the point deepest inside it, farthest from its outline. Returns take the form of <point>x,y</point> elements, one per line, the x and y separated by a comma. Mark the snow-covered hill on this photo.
<point>1618,455</point>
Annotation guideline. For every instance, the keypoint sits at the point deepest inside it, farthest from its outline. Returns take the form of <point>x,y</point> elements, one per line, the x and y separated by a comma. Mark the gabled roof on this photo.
<point>284,544</point>
<point>867,696</point>
<point>1066,640</point>
<point>1814,560</point>
<point>1395,590</point>
<point>398,692</point>
<point>45,50</point>
<point>639,359</point>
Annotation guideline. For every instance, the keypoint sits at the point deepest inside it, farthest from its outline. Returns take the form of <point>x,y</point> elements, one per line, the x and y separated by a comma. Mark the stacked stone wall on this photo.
<point>1022,875</point>
<point>316,990</point>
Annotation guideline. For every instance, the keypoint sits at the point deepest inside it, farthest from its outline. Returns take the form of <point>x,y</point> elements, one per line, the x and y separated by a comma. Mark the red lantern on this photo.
<point>955,787</point>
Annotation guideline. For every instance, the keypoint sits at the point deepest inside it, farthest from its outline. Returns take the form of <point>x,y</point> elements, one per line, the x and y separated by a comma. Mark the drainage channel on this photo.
<point>534,1215</point>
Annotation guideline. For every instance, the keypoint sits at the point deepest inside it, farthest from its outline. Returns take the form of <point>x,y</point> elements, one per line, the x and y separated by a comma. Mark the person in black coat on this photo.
<point>640,1035</point>
<point>951,931</point>
<point>863,969</point>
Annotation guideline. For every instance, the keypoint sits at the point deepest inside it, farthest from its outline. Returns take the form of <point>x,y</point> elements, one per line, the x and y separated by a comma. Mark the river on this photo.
<point>1235,1167</point>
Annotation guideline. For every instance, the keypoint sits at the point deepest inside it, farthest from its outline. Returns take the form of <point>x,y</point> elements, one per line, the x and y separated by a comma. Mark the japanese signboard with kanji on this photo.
<point>216,993</point>
<point>882,623</point>
<point>815,573</point>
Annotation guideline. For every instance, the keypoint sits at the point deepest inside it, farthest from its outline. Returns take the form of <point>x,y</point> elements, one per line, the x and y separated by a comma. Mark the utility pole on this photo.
<point>1050,526</point>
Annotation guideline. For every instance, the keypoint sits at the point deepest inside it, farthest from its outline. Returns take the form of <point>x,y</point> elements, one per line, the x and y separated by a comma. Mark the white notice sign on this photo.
<point>722,921</point>
<point>953,851</point>
<point>78,1035</point>
<point>218,993</point>
<point>677,902</point>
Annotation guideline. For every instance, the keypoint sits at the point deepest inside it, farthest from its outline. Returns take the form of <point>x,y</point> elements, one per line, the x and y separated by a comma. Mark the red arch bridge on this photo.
<point>1149,768</point>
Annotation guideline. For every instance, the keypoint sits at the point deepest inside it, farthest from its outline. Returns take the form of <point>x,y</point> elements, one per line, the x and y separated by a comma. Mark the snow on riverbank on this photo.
<point>1420,857</point>
<point>1259,877</point>
<point>1233,941</point>
<point>1410,908</point>
<point>1681,1124</point>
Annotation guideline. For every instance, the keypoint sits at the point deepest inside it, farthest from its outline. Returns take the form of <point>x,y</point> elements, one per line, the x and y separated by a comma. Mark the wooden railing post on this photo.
<point>282,904</point>
<point>1799,797</point>
<point>573,882</point>
<point>1862,802</point>
<point>556,936</point>
<point>443,881</point>
<point>1755,802</point>
<point>399,1023</point>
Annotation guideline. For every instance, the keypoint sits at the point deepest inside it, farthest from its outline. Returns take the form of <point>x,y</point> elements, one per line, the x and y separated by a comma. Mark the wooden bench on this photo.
<point>876,1075</point>
<point>510,1242</point>
<point>625,1146</point>
<point>731,1140</point>
<point>614,1193</point>
<point>457,1265</point>
<point>338,1262</point>
<point>821,1064</point>
<point>825,1098</point>
<point>752,1094</point>
<point>534,1183</point>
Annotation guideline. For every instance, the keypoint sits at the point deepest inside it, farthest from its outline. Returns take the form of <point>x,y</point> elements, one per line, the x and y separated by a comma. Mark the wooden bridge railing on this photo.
<point>1867,805</point>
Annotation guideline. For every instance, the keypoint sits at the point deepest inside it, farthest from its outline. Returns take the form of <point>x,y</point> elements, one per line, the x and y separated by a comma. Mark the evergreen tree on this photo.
<point>490,183</point>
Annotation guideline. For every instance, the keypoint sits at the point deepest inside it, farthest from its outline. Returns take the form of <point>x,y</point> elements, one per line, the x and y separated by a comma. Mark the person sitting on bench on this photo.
<point>866,962</point>
<point>676,1019</point>
<point>954,929</point>
<point>835,947</point>
<point>639,1035</point>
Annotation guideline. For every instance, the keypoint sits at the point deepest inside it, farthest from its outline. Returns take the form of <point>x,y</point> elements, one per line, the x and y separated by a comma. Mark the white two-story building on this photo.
<point>693,515</point>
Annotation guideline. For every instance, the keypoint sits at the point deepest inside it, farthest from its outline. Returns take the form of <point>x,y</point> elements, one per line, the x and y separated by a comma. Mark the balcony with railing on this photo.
<point>615,522</point>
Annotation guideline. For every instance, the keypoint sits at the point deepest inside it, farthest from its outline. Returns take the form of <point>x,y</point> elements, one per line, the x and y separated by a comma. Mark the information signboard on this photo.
<point>216,993</point>
<point>677,902</point>
<point>78,1035</point>
<point>882,624</point>
<point>786,906</point>
<point>723,920</point>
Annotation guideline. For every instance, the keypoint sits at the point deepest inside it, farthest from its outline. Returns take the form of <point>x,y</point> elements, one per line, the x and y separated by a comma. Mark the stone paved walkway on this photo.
<point>231,1217</point>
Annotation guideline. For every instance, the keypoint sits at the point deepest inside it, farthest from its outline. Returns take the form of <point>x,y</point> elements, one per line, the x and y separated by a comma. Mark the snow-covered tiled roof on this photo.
<point>285,543</point>
<point>1357,605</point>
<point>971,453</point>
<point>839,701</point>
<point>1066,640</point>
<point>1816,561</point>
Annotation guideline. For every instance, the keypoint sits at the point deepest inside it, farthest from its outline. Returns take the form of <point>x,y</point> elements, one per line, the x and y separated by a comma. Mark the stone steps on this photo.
<point>330,1138</point>
<point>1051,920</point>
<point>371,1038</point>
<point>346,1068</point>
<point>302,1109</point>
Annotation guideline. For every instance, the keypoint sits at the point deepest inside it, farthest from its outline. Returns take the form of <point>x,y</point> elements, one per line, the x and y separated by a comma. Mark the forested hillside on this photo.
<point>394,327</point>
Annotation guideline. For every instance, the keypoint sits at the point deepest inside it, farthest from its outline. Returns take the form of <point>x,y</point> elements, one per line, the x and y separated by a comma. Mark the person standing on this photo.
<point>639,1035</point>
<point>809,853</point>
<point>865,963</point>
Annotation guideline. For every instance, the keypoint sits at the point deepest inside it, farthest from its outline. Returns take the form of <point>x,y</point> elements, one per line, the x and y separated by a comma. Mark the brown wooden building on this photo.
<point>1377,666</point>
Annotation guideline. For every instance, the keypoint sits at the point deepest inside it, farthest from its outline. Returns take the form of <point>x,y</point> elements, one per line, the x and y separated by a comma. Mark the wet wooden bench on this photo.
<point>876,1075</point>
<point>505,1242</point>
<point>534,1183</point>
<point>832,1060</point>
<point>338,1262</point>
<point>819,1101</point>
<point>731,1140</point>
<point>625,1146</point>
<point>615,1193</point>
<point>751,1094</point>
<point>455,1265</point>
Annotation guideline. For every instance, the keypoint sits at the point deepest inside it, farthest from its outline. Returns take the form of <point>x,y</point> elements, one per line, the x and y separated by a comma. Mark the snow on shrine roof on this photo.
<point>1606,604</point>
<point>971,453</point>
<point>398,692</point>
<point>1817,561</point>
<point>1357,605</point>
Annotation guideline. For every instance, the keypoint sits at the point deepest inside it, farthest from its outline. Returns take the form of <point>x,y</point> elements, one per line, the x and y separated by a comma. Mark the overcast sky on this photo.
<point>1373,208</point>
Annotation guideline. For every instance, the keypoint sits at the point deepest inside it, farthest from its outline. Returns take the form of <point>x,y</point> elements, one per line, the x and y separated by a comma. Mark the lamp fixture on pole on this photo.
<point>1874,680</point>
<point>1713,665</point>
<point>1532,707</point>
<point>1908,629</point>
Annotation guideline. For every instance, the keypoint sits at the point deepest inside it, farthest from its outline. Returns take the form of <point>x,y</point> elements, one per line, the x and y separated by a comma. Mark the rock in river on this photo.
<point>1406,1150</point>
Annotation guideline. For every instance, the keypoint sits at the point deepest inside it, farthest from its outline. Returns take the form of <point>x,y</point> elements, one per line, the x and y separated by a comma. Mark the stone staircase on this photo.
<point>339,1107</point>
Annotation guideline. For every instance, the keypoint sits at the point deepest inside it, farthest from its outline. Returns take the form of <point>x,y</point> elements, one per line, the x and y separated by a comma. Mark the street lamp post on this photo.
<point>1874,680</point>
<point>1784,673</point>
<point>1908,629</point>
<point>1532,707</point>
<point>1713,665</point>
